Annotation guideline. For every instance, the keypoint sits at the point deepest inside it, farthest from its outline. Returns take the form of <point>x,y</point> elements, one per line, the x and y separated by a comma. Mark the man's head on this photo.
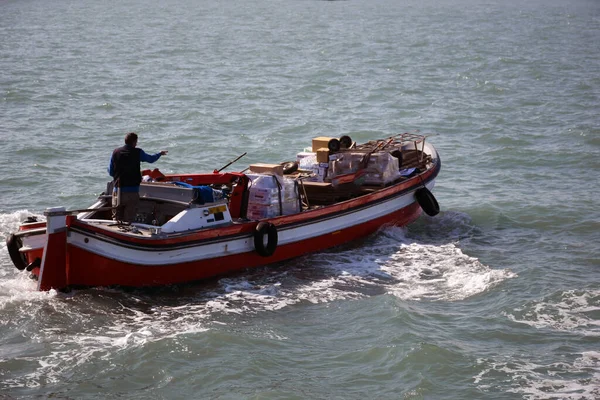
<point>131,139</point>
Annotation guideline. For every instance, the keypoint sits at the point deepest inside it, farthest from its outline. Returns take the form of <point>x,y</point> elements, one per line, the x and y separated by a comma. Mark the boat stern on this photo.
<point>54,265</point>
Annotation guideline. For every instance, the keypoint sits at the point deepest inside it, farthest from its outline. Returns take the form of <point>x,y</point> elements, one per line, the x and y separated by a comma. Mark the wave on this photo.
<point>575,378</point>
<point>573,311</point>
<point>537,375</point>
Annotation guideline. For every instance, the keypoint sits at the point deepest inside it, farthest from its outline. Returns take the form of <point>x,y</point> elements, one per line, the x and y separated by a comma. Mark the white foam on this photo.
<point>129,328</point>
<point>243,296</point>
<point>17,288</point>
<point>407,270</point>
<point>568,312</point>
<point>577,380</point>
<point>390,263</point>
<point>10,222</point>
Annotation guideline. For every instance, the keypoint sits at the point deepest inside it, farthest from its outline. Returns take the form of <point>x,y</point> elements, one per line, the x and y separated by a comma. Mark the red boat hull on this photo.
<point>89,269</point>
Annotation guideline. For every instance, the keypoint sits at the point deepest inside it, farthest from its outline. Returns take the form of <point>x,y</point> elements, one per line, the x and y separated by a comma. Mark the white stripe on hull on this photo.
<point>295,234</point>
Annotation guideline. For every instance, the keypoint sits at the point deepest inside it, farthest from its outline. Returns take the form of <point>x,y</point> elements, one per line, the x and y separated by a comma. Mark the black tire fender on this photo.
<point>333,145</point>
<point>345,142</point>
<point>13,243</point>
<point>427,201</point>
<point>270,231</point>
<point>289,167</point>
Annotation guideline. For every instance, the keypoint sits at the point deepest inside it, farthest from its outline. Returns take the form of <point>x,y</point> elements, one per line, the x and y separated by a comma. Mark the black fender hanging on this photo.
<point>289,167</point>
<point>427,201</point>
<point>345,142</point>
<point>13,243</point>
<point>334,145</point>
<point>270,231</point>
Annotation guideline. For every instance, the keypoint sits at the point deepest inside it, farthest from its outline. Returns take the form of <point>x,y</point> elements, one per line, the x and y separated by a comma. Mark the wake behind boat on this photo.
<point>191,227</point>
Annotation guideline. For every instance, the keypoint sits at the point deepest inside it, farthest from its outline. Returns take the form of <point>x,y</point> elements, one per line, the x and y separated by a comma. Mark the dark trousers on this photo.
<point>126,203</point>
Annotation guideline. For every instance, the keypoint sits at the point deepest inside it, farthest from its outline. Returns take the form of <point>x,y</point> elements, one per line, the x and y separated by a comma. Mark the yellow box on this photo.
<point>323,155</point>
<point>270,169</point>
<point>320,142</point>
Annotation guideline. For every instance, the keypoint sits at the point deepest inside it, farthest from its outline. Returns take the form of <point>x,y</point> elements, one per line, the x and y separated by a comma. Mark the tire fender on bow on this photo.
<point>427,201</point>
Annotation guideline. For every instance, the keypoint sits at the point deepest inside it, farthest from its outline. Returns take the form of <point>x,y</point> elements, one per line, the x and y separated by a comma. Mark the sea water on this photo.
<point>497,297</point>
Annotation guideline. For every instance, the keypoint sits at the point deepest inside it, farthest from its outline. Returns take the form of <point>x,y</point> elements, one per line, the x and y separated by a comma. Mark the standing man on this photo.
<point>125,168</point>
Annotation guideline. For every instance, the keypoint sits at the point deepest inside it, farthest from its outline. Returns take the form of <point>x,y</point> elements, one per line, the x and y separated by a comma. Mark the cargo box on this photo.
<point>323,155</point>
<point>272,169</point>
<point>320,142</point>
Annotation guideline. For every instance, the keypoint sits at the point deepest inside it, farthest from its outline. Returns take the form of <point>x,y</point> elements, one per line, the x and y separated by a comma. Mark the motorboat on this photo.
<point>196,226</point>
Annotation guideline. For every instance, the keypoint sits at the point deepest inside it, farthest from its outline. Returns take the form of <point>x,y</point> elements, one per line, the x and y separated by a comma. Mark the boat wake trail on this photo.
<point>409,270</point>
<point>387,263</point>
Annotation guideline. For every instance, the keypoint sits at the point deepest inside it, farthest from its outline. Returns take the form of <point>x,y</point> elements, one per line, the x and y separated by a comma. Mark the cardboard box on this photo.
<point>320,142</point>
<point>323,155</point>
<point>270,169</point>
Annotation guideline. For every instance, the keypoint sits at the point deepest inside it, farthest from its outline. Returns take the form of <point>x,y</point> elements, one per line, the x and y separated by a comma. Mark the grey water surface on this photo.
<point>497,297</point>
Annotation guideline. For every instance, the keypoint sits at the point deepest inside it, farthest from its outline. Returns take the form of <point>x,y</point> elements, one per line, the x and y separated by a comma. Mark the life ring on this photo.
<point>427,201</point>
<point>13,243</point>
<point>289,167</point>
<point>265,229</point>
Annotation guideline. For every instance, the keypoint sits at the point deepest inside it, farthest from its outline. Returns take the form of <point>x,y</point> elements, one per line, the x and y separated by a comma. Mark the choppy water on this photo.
<point>498,297</point>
